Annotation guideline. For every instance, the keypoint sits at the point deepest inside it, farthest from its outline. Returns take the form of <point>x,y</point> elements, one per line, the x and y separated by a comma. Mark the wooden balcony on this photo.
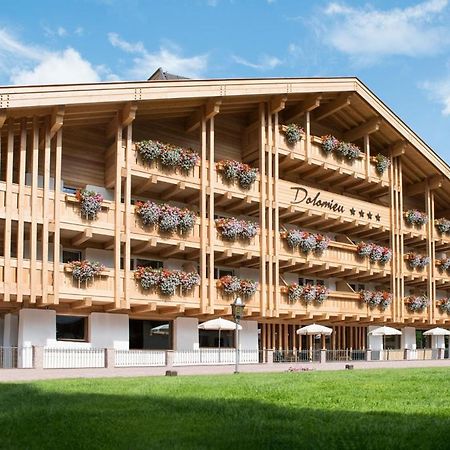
<point>329,168</point>
<point>415,317</point>
<point>339,307</point>
<point>339,260</point>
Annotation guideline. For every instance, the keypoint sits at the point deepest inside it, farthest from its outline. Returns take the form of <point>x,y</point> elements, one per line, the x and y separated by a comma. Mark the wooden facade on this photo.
<point>55,139</point>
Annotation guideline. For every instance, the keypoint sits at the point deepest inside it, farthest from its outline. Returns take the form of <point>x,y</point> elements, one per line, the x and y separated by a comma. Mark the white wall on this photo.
<point>437,342</point>
<point>248,336</point>
<point>10,330</point>
<point>252,274</point>
<point>185,333</point>
<point>408,339</point>
<point>109,331</point>
<point>37,327</point>
<point>374,342</point>
<point>105,257</point>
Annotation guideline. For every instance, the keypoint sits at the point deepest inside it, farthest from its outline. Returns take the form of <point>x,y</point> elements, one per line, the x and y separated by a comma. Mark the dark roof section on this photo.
<point>160,75</point>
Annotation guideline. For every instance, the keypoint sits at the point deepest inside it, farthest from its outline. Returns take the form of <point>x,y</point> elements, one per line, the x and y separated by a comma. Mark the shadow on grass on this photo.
<point>32,418</point>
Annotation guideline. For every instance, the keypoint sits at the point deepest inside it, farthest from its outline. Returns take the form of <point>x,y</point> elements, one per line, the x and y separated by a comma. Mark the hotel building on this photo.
<point>342,224</point>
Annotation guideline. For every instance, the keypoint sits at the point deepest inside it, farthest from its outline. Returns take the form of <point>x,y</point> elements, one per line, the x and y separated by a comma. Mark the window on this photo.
<point>138,262</point>
<point>150,335</point>
<point>69,190</point>
<point>70,328</point>
<point>210,338</point>
<point>71,255</point>
<point>357,287</point>
<point>220,272</point>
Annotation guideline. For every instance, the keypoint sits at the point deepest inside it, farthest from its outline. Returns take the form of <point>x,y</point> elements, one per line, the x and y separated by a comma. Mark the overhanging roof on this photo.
<point>126,91</point>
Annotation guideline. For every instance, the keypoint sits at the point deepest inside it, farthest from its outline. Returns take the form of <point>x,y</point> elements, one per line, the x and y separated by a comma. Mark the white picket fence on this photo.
<point>214,356</point>
<point>140,358</point>
<point>16,357</point>
<point>74,358</point>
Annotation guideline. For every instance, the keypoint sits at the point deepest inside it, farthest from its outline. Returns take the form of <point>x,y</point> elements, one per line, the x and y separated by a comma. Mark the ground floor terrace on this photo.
<point>43,338</point>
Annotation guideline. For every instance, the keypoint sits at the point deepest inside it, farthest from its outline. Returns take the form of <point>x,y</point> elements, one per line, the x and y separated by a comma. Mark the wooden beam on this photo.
<point>364,129</point>
<point>2,117</point>
<point>277,103</point>
<point>398,149</point>
<point>57,120</point>
<point>140,309</point>
<point>433,182</point>
<point>341,102</point>
<point>173,251</point>
<point>173,191</point>
<point>153,179</point>
<point>309,104</point>
<point>82,237</point>
<point>80,304</point>
<point>211,109</point>
<point>128,113</point>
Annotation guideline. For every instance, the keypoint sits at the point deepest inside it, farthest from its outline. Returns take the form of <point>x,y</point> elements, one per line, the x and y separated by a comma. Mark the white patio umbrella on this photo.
<point>385,331</point>
<point>219,325</point>
<point>161,329</point>
<point>314,329</point>
<point>437,332</point>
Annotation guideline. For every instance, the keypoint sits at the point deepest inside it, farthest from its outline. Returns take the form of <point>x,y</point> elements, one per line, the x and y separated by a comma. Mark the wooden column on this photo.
<point>203,221</point>
<point>367,155</point>
<point>34,209</point>
<point>262,207</point>
<point>269,152</point>
<point>308,135</point>
<point>46,211</point>
<point>276,243</point>
<point>20,202</point>
<point>212,228</point>
<point>430,251</point>
<point>8,208</point>
<point>127,201</point>
<point>118,214</point>
<point>57,215</point>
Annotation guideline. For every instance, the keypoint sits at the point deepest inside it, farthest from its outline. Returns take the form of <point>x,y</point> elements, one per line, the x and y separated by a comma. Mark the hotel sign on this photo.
<point>345,206</point>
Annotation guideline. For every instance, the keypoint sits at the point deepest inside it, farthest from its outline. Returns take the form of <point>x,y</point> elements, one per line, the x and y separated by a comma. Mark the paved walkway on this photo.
<point>11,375</point>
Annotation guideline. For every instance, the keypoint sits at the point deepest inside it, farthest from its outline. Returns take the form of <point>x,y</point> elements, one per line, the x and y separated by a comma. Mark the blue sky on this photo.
<point>400,49</point>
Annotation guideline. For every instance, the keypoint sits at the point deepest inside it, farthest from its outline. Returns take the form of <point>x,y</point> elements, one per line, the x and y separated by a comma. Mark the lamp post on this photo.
<point>237,308</point>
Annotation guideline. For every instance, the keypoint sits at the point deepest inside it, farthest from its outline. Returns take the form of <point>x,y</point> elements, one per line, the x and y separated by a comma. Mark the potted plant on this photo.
<point>443,225</point>
<point>416,217</point>
<point>382,163</point>
<point>293,133</point>
<point>90,203</point>
<point>84,271</point>
<point>236,171</point>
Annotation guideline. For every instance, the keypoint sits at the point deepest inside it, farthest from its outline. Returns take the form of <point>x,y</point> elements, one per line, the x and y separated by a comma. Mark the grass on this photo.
<point>399,409</point>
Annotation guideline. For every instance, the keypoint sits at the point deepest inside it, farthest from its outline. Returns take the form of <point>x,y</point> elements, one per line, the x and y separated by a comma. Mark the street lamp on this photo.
<point>237,308</point>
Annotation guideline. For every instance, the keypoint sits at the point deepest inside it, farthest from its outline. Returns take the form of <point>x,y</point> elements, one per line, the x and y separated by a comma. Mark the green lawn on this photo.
<point>353,409</point>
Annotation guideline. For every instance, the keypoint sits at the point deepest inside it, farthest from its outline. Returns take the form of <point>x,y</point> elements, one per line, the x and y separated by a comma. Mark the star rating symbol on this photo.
<point>353,211</point>
<point>378,217</point>
<point>369,215</point>
<point>361,213</point>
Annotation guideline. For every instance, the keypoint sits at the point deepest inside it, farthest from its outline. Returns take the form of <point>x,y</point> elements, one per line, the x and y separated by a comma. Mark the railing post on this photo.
<point>369,354</point>
<point>38,357</point>
<point>323,356</point>
<point>170,356</point>
<point>407,355</point>
<point>269,355</point>
<point>110,358</point>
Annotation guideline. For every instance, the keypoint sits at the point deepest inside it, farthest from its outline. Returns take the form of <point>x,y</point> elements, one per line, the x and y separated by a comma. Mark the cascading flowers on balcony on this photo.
<point>235,285</point>
<point>85,270</point>
<point>237,171</point>
<point>416,217</point>
<point>90,203</point>
<point>346,150</point>
<point>373,299</point>
<point>417,261</point>
<point>293,133</point>
<point>308,293</point>
<point>305,241</point>
<point>167,154</point>
<point>417,303</point>
<point>231,228</point>
<point>168,218</point>
<point>376,253</point>
<point>444,305</point>
<point>444,264</point>
<point>443,225</point>
<point>382,163</point>
<point>166,281</point>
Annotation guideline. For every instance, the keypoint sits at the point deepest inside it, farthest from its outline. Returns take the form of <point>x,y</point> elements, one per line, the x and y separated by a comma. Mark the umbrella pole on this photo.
<point>219,345</point>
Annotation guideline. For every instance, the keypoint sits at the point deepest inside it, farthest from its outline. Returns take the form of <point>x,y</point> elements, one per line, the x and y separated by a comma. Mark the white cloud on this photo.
<point>440,92</point>
<point>168,57</point>
<point>367,34</point>
<point>31,64</point>
<point>266,62</point>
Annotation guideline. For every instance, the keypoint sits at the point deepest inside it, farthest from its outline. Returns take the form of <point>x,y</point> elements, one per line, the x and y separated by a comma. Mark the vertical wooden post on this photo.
<point>57,215</point>
<point>34,208</point>
<point>20,202</point>
<point>262,207</point>
<point>276,241</point>
<point>118,215</point>
<point>127,200</point>
<point>269,150</point>
<point>45,211</point>
<point>308,136</point>
<point>212,228</point>
<point>367,154</point>
<point>430,252</point>
<point>203,219</point>
<point>8,208</point>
